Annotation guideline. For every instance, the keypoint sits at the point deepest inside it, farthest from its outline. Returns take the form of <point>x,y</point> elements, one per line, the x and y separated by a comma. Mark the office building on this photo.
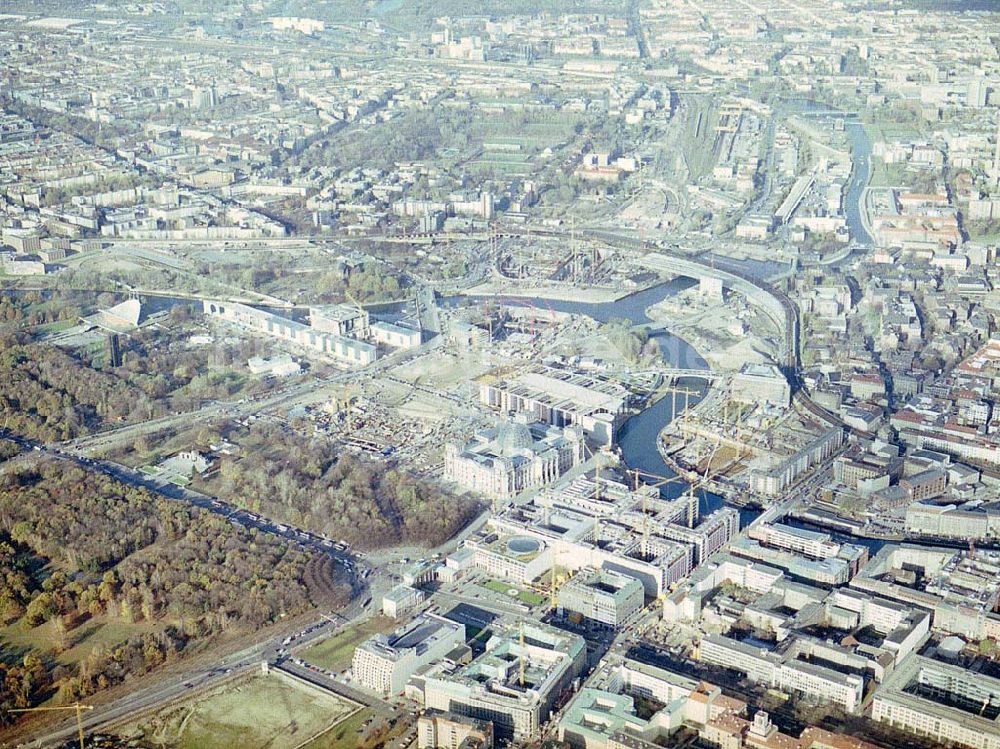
<point>340,319</point>
<point>813,544</point>
<point>437,729</point>
<point>514,683</point>
<point>561,397</point>
<point>384,663</point>
<point>594,716</point>
<point>783,671</point>
<point>941,703</point>
<point>395,336</point>
<point>774,480</point>
<point>962,589</point>
<point>606,597</point>
<point>346,351</point>
<point>759,384</point>
<point>399,599</point>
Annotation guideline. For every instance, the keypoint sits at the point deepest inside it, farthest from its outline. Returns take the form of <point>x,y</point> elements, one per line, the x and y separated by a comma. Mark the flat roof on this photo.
<point>563,390</point>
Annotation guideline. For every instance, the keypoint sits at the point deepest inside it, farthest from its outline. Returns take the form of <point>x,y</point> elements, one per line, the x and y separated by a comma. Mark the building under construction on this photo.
<point>515,682</point>
<point>603,524</point>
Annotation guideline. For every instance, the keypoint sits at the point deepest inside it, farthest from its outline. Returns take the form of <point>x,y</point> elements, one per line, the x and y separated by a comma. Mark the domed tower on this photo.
<point>513,438</point>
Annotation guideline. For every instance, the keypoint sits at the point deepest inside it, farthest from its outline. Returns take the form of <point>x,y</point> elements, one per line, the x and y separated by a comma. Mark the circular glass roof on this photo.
<point>523,545</point>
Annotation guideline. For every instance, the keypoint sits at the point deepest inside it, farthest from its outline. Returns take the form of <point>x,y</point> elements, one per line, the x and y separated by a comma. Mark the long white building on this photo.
<point>788,674</point>
<point>774,480</point>
<point>561,397</point>
<point>940,702</point>
<point>342,349</point>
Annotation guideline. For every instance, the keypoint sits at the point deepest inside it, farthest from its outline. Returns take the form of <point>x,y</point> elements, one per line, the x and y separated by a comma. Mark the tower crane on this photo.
<point>77,706</point>
<point>520,655</point>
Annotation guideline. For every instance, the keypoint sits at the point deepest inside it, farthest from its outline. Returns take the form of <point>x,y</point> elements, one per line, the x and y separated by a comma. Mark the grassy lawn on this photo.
<point>253,711</point>
<point>481,634</point>
<point>335,652</point>
<point>79,642</point>
<point>344,736</point>
<point>55,327</point>
<point>525,596</point>
<point>96,632</point>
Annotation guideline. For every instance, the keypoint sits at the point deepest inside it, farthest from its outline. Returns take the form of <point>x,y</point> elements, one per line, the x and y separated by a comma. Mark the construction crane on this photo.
<point>692,500</point>
<point>553,589</point>
<point>361,311</point>
<point>344,397</point>
<point>657,480</point>
<point>656,483</point>
<point>572,243</point>
<point>78,707</point>
<point>598,456</point>
<point>520,655</point>
<point>687,399</point>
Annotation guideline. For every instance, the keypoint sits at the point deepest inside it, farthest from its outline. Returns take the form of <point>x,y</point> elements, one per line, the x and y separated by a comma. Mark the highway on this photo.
<point>366,580</point>
<point>303,539</point>
<point>179,685</point>
<point>364,577</point>
<point>309,392</point>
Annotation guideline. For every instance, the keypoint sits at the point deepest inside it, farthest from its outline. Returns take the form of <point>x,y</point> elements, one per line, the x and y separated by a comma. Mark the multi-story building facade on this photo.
<point>940,702</point>
<point>606,596</point>
<point>514,683</point>
<point>444,730</point>
<point>383,664</point>
<point>518,455</point>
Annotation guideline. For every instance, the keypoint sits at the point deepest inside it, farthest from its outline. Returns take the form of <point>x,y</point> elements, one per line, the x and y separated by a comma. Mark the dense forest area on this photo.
<point>340,495</point>
<point>49,393</point>
<point>44,396</point>
<point>80,551</point>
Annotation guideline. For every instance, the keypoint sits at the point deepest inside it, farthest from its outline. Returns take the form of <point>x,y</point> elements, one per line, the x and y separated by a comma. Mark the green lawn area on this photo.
<point>79,642</point>
<point>886,129</point>
<point>525,596</point>
<point>55,327</point>
<point>253,711</point>
<point>335,652</point>
<point>344,736</point>
<point>482,634</point>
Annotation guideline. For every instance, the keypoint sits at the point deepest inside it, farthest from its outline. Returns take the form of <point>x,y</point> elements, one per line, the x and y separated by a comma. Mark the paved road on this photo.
<point>317,390</point>
<point>362,576</point>
<point>176,686</point>
<point>304,539</point>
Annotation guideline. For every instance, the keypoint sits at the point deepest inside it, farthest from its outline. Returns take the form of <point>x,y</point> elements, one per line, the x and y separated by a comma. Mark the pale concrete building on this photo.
<point>445,730</point>
<point>607,597</point>
<point>384,663</point>
<point>501,463</point>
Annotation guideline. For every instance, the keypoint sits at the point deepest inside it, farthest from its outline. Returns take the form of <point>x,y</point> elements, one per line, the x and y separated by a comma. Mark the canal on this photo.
<point>637,438</point>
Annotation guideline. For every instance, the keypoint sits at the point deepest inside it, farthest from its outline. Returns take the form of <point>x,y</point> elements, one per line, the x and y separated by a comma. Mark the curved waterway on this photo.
<point>861,156</point>
<point>861,162</point>
<point>637,438</point>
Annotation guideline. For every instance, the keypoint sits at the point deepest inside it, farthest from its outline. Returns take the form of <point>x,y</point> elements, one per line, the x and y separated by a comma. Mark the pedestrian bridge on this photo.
<point>676,373</point>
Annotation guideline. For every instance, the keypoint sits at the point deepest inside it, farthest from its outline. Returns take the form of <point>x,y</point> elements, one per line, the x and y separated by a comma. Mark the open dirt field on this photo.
<point>256,711</point>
